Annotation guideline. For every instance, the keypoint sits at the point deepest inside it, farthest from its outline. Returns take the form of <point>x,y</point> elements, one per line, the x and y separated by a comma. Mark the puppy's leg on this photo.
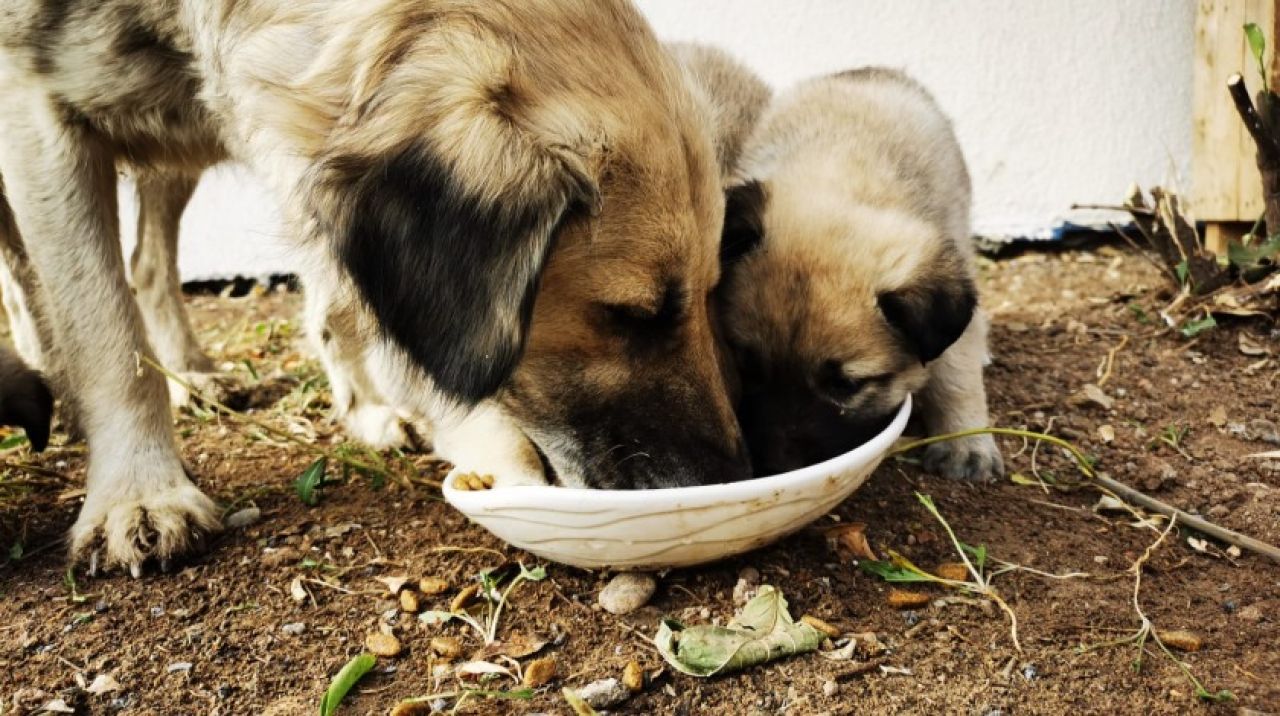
<point>139,502</point>
<point>333,327</point>
<point>18,283</point>
<point>955,400</point>
<point>162,197</point>
<point>486,444</point>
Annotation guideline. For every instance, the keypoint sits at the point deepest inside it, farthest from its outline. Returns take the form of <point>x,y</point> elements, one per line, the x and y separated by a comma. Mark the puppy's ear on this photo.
<point>743,231</point>
<point>25,400</point>
<point>931,314</point>
<point>449,272</point>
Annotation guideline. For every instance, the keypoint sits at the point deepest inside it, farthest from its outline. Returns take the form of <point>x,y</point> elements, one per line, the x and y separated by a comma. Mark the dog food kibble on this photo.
<point>472,481</point>
<point>539,672</point>
<point>627,592</point>
<point>954,571</point>
<point>821,626</point>
<point>409,601</point>
<point>464,598</point>
<point>1181,640</point>
<point>446,647</point>
<point>412,708</point>
<point>902,599</point>
<point>382,644</point>
<point>633,676</point>
<point>431,586</point>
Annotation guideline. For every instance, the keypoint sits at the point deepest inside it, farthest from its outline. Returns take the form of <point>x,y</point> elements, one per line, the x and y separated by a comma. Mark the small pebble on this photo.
<point>830,688</point>
<point>539,671</point>
<point>745,588</point>
<point>627,592</point>
<point>382,644</point>
<point>409,601</point>
<point>604,693</point>
<point>1029,672</point>
<point>179,666</point>
<point>294,628</point>
<point>446,647</point>
<point>431,586</point>
<point>243,518</point>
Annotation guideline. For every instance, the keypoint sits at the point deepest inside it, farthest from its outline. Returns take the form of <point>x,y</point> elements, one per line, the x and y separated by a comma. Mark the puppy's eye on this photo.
<point>667,313</point>
<point>623,314</point>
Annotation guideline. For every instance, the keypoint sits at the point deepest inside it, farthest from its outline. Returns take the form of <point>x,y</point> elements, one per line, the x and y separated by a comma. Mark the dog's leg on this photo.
<point>486,444</point>
<point>332,325</point>
<point>19,286</point>
<point>955,400</point>
<point>162,197</point>
<point>139,502</point>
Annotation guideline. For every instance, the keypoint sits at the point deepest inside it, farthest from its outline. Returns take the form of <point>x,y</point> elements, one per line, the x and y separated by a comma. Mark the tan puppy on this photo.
<point>852,279</point>
<point>734,97</point>
<point>25,399</point>
<point>497,217</point>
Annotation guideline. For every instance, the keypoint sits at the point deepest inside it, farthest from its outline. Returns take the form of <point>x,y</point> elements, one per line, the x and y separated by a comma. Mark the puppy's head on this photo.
<point>527,225</point>
<point>833,311</point>
<point>25,399</point>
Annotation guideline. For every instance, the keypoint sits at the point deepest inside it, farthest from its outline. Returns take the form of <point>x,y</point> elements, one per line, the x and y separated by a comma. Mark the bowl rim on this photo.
<point>533,496</point>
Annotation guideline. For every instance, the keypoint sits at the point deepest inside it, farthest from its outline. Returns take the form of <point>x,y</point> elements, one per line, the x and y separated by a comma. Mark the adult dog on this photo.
<point>516,222</point>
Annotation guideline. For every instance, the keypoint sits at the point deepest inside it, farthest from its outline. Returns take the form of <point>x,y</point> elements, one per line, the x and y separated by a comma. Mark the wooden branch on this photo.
<point>1268,148</point>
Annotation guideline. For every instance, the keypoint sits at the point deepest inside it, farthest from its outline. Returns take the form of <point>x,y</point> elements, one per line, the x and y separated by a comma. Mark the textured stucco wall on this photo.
<point>1054,102</point>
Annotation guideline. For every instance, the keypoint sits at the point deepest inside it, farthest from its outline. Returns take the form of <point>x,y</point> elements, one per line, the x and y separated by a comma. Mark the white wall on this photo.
<point>1055,102</point>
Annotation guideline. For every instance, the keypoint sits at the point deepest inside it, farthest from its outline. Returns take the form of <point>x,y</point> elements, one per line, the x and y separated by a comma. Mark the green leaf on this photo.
<point>1182,270</point>
<point>13,441</point>
<point>344,680</point>
<point>890,572</point>
<point>1251,257</point>
<point>762,631</point>
<point>537,574</point>
<point>1139,314</point>
<point>1222,696</point>
<point>979,554</point>
<point>1194,328</point>
<point>1257,46</point>
<point>16,551</point>
<point>311,479</point>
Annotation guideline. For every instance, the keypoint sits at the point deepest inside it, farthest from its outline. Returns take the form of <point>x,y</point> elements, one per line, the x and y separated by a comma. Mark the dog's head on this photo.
<point>833,311</point>
<point>25,399</point>
<point>526,224</point>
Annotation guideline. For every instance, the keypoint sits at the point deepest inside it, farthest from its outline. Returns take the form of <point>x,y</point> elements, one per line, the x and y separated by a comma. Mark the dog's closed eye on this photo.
<point>665,313</point>
<point>838,386</point>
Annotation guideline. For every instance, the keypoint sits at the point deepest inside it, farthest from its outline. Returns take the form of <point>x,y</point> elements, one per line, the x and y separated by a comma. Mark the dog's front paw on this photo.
<point>126,528</point>
<point>379,427</point>
<point>212,386</point>
<point>975,458</point>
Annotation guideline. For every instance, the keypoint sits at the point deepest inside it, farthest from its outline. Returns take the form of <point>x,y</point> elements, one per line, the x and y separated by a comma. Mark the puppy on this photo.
<point>732,95</point>
<point>25,399</point>
<point>852,281</point>
<point>498,219</point>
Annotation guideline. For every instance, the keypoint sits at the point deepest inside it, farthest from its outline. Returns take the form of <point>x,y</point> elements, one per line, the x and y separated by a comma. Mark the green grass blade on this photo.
<point>344,680</point>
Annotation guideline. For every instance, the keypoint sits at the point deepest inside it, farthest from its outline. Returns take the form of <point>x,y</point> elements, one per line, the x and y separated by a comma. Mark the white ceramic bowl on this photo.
<point>671,527</point>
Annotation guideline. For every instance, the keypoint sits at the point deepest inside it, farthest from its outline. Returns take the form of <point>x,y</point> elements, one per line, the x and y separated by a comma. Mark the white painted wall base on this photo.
<point>1055,102</point>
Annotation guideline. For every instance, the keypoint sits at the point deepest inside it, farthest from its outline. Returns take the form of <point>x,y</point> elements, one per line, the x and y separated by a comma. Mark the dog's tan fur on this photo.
<point>863,274</point>
<point>441,163</point>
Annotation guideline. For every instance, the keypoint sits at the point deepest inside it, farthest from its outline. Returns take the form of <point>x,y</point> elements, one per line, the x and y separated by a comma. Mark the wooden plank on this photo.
<point>1249,204</point>
<point>1219,234</point>
<point>1217,131</point>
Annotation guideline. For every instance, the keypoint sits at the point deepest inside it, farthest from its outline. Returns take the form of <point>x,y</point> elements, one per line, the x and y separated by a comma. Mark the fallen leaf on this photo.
<point>103,683</point>
<point>1092,394</point>
<point>297,591</point>
<point>58,706</point>
<point>1198,544</point>
<point>1249,348</point>
<point>886,669</point>
<point>761,632</point>
<point>852,537</point>
<point>393,584</point>
<point>517,646</point>
<point>476,669</point>
<point>340,529</point>
<point>1107,503</point>
<point>343,681</point>
<point>580,707</point>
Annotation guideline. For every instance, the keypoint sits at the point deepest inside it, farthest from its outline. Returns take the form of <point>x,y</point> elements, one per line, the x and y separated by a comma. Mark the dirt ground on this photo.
<point>223,635</point>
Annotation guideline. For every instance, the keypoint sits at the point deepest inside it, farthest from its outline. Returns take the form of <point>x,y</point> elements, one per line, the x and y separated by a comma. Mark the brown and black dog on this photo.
<point>498,217</point>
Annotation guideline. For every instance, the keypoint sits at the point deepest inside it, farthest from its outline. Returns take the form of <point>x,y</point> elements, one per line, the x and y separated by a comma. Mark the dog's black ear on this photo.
<point>25,400</point>
<point>930,315</point>
<point>449,274</point>
<point>743,231</point>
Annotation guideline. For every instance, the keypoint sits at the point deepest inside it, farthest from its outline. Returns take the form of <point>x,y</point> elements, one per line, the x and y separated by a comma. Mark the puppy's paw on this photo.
<point>975,458</point>
<point>378,426</point>
<point>125,528</point>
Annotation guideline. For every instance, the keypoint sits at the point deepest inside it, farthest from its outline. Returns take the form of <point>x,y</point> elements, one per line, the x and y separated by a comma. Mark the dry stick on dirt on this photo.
<point>1120,489</point>
<point>241,418</point>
